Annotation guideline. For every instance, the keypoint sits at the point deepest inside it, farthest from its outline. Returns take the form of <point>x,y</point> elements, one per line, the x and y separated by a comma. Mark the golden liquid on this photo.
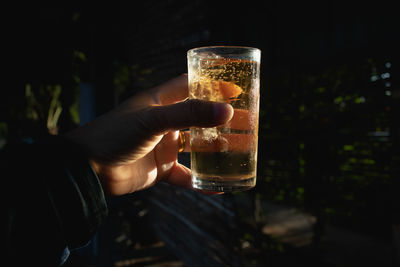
<point>224,165</point>
<point>228,152</point>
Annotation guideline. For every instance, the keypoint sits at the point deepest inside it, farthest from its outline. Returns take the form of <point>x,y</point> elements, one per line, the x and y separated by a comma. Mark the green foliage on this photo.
<point>326,145</point>
<point>43,105</point>
<point>74,111</point>
<point>55,108</point>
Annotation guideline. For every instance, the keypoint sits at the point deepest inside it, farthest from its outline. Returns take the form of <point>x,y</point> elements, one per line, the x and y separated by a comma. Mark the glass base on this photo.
<point>219,185</point>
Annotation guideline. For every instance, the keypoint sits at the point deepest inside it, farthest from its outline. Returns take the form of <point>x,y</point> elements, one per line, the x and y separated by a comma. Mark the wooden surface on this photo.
<point>198,228</point>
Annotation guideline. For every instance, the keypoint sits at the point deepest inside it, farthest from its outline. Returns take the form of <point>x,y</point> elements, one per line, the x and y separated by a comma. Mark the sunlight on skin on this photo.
<point>165,164</point>
<point>136,145</point>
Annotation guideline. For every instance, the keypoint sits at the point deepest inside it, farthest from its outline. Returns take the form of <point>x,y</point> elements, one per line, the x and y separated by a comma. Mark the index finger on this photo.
<point>172,91</point>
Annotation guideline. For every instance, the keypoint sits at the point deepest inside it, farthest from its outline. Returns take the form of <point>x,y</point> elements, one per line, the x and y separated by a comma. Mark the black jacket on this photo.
<point>52,201</point>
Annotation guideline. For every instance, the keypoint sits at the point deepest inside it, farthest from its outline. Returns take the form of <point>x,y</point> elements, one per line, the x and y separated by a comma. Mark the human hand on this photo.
<point>136,145</point>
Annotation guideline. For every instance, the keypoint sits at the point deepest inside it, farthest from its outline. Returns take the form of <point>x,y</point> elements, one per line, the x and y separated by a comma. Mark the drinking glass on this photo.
<point>224,158</point>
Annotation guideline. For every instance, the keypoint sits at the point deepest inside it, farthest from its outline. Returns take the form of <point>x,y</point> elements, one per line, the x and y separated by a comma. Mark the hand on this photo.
<point>136,145</point>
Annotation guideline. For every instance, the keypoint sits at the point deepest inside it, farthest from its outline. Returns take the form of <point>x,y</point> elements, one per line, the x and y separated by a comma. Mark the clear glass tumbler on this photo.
<point>224,158</point>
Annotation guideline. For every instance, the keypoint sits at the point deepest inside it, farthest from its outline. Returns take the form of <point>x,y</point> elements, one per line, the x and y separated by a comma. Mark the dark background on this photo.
<point>328,143</point>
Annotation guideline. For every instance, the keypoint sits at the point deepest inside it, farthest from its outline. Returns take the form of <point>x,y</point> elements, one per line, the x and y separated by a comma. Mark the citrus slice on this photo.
<point>242,120</point>
<point>226,90</point>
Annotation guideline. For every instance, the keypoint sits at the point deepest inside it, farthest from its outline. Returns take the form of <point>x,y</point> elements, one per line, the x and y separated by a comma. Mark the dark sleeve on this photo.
<point>51,199</point>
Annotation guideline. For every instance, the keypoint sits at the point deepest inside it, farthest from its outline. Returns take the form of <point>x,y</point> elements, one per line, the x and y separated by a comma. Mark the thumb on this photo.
<point>188,114</point>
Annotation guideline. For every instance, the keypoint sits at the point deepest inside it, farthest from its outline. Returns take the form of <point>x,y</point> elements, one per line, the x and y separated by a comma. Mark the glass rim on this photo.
<point>244,48</point>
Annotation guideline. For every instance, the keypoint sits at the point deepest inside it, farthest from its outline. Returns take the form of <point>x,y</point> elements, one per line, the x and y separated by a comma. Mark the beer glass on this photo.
<point>224,158</point>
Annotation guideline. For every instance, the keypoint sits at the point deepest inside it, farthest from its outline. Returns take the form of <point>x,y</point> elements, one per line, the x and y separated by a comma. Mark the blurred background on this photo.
<point>328,167</point>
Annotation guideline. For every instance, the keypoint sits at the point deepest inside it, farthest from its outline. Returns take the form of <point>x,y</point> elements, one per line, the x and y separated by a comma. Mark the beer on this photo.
<point>224,158</point>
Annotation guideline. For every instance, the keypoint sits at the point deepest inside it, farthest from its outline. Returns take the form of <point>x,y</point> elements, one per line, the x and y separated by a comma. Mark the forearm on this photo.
<point>53,199</point>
